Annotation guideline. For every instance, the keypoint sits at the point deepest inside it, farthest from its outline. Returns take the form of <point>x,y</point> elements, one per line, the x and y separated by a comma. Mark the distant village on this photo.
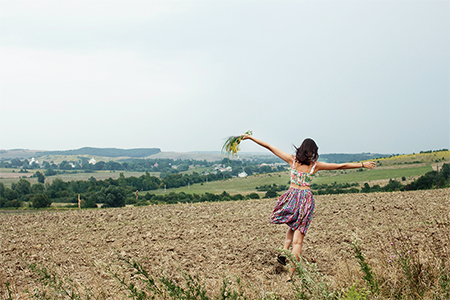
<point>216,168</point>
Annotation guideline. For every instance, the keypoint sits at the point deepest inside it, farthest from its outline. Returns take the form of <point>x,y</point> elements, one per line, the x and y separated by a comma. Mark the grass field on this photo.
<point>395,167</point>
<point>428,158</point>
<point>376,174</point>
<point>99,175</point>
<point>249,184</point>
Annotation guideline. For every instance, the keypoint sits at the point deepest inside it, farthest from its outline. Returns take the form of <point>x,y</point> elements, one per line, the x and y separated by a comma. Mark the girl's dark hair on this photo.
<point>307,152</point>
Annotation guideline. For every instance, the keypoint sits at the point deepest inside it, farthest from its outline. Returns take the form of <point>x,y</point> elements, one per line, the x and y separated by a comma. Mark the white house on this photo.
<point>92,161</point>
<point>220,168</point>
<point>242,174</point>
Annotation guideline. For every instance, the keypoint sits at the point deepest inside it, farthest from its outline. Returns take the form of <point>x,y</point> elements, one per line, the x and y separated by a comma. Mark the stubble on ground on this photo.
<point>213,240</point>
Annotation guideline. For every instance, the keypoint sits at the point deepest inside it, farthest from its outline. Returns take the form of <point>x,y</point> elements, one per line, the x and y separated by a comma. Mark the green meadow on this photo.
<point>99,175</point>
<point>249,184</point>
<point>409,166</point>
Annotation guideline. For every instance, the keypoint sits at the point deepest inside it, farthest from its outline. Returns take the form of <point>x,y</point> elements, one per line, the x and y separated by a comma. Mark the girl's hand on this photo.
<point>245,136</point>
<point>369,165</point>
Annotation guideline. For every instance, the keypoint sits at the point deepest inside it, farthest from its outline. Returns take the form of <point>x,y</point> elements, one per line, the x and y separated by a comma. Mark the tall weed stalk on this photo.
<point>166,288</point>
<point>408,273</point>
<point>308,283</point>
<point>5,291</point>
<point>55,287</point>
<point>368,275</point>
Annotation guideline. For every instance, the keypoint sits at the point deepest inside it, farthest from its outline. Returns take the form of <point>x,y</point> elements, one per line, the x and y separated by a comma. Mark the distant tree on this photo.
<point>248,170</point>
<point>236,171</point>
<point>2,189</point>
<point>114,196</point>
<point>86,203</point>
<point>40,176</point>
<point>365,188</point>
<point>15,162</point>
<point>49,172</point>
<point>281,168</point>
<point>22,187</point>
<point>113,165</point>
<point>65,165</point>
<point>25,164</point>
<point>101,165</point>
<point>264,169</point>
<point>58,185</point>
<point>253,196</point>
<point>37,188</point>
<point>237,197</point>
<point>271,193</point>
<point>393,185</point>
<point>10,194</point>
<point>41,201</point>
<point>122,181</point>
<point>183,168</point>
<point>9,203</point>
<point>376,188</point>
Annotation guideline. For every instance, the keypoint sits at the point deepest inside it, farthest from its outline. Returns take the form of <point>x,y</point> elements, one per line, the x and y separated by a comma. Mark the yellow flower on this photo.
<point>231,145</point>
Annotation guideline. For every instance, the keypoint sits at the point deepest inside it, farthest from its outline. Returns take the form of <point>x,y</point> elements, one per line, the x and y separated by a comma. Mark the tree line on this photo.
<point>118,192</point>
<point>430,180</point>
<point>162,166</point>
<point>110,192</point>
<point>250,165</point>
<point>83,164</point>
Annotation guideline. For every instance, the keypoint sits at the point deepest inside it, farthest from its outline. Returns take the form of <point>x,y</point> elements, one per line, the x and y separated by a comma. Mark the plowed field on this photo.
<point>213,240</point>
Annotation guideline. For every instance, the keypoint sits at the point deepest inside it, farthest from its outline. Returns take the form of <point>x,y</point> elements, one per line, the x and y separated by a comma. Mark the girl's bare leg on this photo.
<point>296,248</point>
<point>289,237</point>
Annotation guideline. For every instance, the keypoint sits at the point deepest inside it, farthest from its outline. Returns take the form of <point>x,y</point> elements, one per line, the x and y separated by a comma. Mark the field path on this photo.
<point>215,239</point>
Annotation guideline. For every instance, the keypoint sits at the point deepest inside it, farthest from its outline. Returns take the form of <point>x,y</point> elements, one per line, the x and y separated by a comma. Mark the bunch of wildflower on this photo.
<point>231,145</point>
<point>402,255</point>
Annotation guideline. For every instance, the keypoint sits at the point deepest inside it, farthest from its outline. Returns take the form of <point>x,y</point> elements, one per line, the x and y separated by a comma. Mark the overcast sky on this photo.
<point>356,76</point>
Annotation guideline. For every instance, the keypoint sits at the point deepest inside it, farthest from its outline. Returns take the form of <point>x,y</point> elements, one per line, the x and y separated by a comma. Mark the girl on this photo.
<point>296,206</point>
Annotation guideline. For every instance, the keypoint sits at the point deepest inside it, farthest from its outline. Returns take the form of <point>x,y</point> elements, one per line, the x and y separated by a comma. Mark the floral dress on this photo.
<point>295,207</point>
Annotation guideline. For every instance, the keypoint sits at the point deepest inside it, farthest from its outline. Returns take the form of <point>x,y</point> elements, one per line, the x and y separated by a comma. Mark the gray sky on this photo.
<point>356,76</point>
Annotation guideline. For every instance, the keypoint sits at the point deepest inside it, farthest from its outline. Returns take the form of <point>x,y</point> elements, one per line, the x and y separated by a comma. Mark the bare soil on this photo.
<point>213,240</point>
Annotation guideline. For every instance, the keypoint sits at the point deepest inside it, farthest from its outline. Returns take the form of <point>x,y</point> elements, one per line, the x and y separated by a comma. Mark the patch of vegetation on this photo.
<point>275,187</point>
<point>406,276</point>
<point>101,191</point>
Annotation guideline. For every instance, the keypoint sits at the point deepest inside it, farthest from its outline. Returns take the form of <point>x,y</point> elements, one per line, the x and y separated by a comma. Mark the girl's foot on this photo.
<point>281,259</point>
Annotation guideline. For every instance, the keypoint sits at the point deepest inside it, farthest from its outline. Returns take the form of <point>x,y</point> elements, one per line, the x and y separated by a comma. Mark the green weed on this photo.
<point>308,282</point>
<point>8,292</point>
<point>354,293</point>
<point>368,276</point>
<point>409,273</point>
<point>58,287</point>
<point>405,276</point>
<point>167,288</point>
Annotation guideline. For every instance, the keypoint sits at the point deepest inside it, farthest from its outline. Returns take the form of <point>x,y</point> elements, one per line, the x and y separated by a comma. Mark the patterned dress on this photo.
<point>295,207</point>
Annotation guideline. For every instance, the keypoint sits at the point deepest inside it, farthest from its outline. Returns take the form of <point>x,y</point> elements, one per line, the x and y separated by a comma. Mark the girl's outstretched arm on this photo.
<point>325,166</point>
<point>281,154</point>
